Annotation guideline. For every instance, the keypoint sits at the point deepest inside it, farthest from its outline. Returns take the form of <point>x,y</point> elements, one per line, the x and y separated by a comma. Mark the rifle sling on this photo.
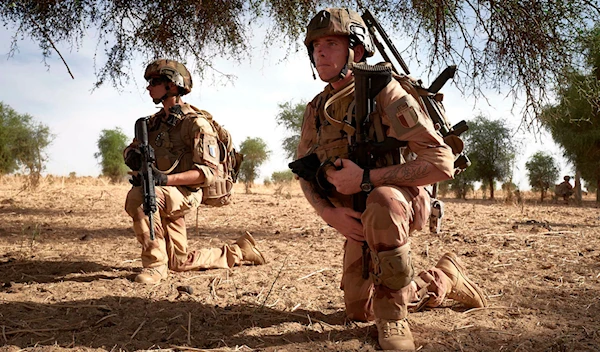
<point>168,171</point>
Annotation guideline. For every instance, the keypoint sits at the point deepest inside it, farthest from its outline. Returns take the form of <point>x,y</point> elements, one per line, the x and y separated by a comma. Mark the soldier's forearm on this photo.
<point>190,177</point>
<point>412,173</point>
<point>314,198</point>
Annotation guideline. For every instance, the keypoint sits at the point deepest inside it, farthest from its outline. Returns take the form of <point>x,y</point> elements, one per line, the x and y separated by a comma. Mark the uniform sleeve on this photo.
<point>308,133</point>
<point>202,140</point>
<point>408,122</point>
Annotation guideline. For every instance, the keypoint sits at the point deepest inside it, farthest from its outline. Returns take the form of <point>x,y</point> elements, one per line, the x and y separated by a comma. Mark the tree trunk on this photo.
<point>542,195</point>
<point>492,189</point>
<point>598,190</point>
<point>578,199</point>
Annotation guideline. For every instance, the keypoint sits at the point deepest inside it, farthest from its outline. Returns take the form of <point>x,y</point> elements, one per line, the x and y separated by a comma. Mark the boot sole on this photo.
<point>463,272</point>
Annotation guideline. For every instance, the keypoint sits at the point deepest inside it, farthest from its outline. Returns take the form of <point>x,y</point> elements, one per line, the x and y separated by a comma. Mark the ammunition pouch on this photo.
<point>218,193</point>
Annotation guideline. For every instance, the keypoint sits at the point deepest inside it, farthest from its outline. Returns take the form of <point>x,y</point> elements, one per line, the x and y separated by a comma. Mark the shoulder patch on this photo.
<point>405,115</point>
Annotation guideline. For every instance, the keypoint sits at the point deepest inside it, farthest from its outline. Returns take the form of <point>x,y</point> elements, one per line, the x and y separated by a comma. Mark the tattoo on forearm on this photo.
<point>313,197</point>
<point>406,173</point>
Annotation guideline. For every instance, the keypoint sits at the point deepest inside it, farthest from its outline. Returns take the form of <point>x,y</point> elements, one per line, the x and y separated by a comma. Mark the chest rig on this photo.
<point>335,125</point>
<point>165,136</point>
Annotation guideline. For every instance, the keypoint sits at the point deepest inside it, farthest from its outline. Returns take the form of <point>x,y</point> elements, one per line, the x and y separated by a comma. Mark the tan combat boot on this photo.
<point>463,289</point>
<point>153,275</point>
<point>250,253</point>
<point>395,335</point>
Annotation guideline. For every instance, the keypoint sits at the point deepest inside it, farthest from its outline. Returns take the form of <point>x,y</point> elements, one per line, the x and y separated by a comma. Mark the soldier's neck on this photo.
<point>171,101</point>
<point>342,82</point>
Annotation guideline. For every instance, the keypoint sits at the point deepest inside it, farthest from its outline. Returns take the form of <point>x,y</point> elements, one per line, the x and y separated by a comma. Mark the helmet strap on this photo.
<point>344,72</point>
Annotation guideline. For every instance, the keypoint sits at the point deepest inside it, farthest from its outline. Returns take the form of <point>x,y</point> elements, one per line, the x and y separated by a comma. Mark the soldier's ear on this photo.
<point>359,53</point>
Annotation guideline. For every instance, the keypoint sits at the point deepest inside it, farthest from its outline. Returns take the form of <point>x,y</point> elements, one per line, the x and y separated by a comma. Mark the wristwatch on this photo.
<point>366,185</point>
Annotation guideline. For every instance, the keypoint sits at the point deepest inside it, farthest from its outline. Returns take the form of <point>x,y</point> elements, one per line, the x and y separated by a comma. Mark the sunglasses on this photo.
<point>154,81</point>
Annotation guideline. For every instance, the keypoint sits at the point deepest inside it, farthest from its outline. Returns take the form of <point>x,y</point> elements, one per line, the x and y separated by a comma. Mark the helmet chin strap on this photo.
<point>167,95</point>
<point>344,72</point>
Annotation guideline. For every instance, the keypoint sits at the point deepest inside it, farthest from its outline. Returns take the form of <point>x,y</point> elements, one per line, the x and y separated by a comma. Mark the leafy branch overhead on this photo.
<point>522,46</point>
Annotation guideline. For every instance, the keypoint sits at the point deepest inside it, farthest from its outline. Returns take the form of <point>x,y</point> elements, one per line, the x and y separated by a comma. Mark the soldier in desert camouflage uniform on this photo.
<point>397,202</point>
<point>185,144</point>
<point>564,189</point>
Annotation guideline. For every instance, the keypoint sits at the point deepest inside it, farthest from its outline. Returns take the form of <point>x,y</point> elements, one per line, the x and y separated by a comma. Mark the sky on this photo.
<point>76,115</point>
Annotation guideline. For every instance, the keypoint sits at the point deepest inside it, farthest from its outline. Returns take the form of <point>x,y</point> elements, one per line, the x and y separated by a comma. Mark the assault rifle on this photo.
<point>369,80</point>
<point>145,172</point>
<point>434,107</point>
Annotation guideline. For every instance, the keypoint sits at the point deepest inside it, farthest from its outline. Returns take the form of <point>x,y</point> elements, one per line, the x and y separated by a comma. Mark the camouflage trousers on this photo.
<point>392,213</point>
<point>170,243</point>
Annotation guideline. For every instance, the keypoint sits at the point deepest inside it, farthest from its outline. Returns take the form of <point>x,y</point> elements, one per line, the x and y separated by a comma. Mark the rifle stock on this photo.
<point>369,80</point>
<point>148,158</point>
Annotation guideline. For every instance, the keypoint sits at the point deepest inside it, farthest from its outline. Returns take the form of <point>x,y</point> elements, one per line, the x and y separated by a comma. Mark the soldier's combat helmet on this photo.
<point>339,21</point>
<point>172,71</point>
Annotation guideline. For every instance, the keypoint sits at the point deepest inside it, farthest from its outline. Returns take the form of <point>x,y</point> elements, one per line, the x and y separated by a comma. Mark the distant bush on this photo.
<point>282,176</point>
<point>267,181</point>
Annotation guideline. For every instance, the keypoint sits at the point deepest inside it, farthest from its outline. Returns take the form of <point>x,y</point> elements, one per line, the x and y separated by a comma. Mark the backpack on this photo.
<point>431,103</point>
<point>230,161</point>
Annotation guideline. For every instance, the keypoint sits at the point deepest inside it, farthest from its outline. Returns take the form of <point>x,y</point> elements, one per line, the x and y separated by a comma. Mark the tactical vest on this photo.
<point>333,142</point>
<point>173,141</point>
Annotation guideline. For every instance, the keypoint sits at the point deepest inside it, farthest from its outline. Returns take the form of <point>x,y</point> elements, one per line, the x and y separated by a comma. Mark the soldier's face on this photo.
<point>157,87</point>
<point>330,55</point>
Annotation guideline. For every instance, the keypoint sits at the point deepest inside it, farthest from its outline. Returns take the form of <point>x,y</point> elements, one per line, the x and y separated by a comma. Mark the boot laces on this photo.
<point>393,328</point>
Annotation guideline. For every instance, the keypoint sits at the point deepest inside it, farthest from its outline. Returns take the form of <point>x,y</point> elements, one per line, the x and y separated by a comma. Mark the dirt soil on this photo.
<point>68,257</point>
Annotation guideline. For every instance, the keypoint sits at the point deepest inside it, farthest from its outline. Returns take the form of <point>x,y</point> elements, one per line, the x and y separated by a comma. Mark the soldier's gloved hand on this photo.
<point>135,180</point>
<point>133,159</point>
<point>160,179</point>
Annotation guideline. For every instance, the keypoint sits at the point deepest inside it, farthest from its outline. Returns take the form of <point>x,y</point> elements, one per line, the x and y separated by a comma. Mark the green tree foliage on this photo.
<point>282,176</point>
<point>574,121</point>
<point>255,154</point>
<point>22,143</point>
<point>291,116</point>
<point>111,144</point>
<point>542,172</point>
<point>514,44</point>
<point>492,150</point>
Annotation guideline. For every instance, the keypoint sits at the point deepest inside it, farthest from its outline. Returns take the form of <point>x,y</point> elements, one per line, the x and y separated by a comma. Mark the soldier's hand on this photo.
<point>133,159</point>
<point>345,177</point>
<point>346,221</point>
<point>160,179</point>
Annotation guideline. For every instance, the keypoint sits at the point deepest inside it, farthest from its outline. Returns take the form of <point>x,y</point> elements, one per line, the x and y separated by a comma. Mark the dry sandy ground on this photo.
<point>68,256</point>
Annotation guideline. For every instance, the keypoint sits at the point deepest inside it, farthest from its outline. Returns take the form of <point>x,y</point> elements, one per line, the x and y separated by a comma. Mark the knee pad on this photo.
<point>394,268</point>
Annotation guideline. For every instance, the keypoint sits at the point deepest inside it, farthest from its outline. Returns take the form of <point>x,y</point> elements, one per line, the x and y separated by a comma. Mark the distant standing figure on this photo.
<point>564,189</point>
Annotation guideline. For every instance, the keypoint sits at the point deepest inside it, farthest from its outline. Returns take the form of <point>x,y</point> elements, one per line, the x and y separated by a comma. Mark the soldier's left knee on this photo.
<point>394,268</point>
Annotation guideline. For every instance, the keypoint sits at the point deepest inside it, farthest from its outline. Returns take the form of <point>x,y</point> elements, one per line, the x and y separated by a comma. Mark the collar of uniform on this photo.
<point>187,109</point>
<point>157,118</point>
